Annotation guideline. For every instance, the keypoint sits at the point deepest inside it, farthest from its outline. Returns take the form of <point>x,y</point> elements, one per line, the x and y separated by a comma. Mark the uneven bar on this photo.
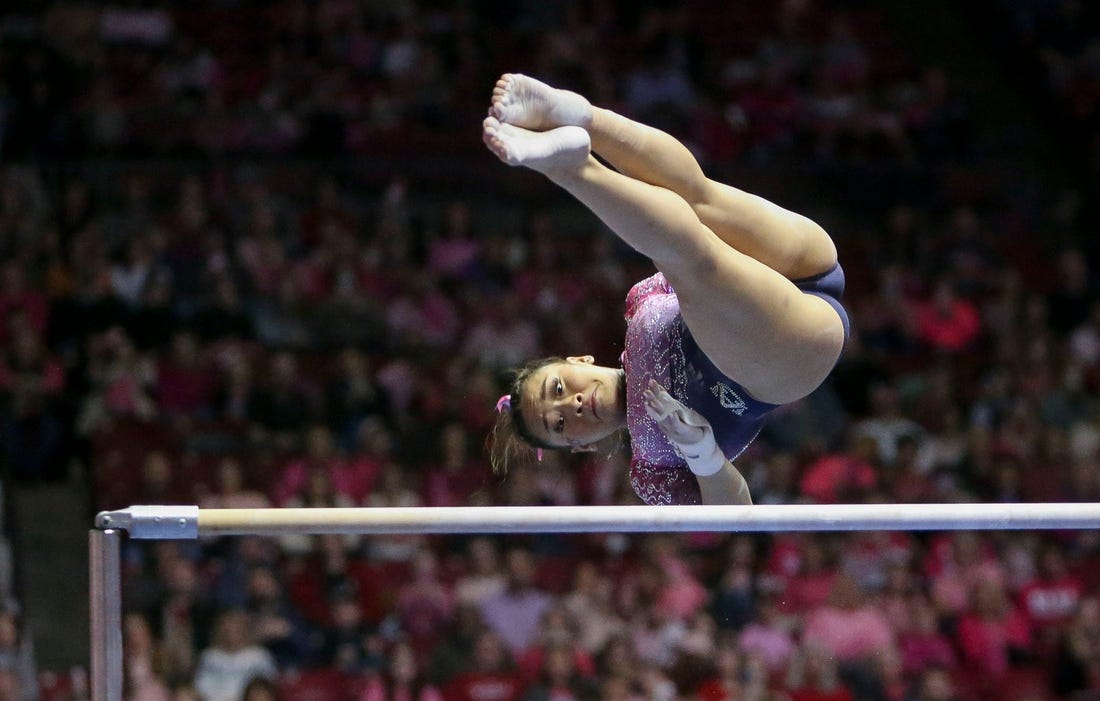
<point>579,519</point>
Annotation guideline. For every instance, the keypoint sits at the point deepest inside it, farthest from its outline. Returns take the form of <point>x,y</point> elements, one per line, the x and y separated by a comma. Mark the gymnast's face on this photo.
<point>574,404</point>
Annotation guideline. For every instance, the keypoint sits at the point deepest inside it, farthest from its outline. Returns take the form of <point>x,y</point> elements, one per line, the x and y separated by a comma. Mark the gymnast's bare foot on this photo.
<point>529,103</point>
<point>557,150</point>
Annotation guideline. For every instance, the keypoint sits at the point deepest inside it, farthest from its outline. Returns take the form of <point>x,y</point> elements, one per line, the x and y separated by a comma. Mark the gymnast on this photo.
<point>743,315</point>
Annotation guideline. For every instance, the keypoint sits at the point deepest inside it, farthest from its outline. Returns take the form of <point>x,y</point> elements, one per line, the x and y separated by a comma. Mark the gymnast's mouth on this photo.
<point>592,403</point>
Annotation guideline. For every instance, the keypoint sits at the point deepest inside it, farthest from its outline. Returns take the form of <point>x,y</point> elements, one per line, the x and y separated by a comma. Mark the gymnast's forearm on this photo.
<point>727,486</point>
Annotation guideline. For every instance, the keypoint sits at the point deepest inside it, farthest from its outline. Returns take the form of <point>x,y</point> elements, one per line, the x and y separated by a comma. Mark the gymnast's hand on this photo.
<point>685,428</point>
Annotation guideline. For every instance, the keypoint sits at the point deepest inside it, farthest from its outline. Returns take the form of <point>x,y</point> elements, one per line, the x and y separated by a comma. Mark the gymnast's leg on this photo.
<point>751,321</point>
<point>785,241</point>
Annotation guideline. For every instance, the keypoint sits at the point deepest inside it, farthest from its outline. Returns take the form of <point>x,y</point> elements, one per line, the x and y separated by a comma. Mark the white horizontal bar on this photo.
<point>579,519</point>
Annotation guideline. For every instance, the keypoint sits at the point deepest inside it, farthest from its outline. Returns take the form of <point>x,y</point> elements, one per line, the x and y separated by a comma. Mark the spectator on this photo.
<point>619,660</point>
<point>232,660</point>
<point>236,387</point>
<point>260,689</point>
<point>234,559</point>
<point>453,655</point>
<point>456,251</point>
<point>557,630</point>
<point>814,578</point>
<point>590,602</point>
<point>20,299</point>
<point>230,490</point>
<point>947,323</point>
<point>769,637</point>
<point>503,338</point>
<point>560,679</point>
<point>842,476</point>
<point>516,613</point>
<point>732,678</point>
<point>120,380</point>
<point>483,577</point>
<point>993,632</point>
<point>281,407</point>
<point>31,385</point>
<point>1075,661</point>
<point>921,643</point>
<point>273,621</point>
<point>1068,305</point>
<point>887,423</point>
<point>351,645</point>
<point>934,684</point>
<point>328,575</point>
<point>185,379</point>
<point>425,604</point>
<point>847,628</point>
<point>157,484</point>
<point>130,275</point>
<point>679,592</point>
<point>143,661</point>
<point>813,677</point>
<point>354,394</point>
<point>17,654</point>
<point>1050,601</point>
<point>400,680</point>
<point>223,317</point>
<point>423,317</point>
<point>957,565</point>
<point>152,324</point>
<point>490,677</point>
<point>456,474</point>
<point>347,480</point>
<point>734,600</point>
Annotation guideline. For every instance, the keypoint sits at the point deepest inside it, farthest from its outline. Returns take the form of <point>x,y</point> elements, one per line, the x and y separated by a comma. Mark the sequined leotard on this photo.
<point>660,346</point>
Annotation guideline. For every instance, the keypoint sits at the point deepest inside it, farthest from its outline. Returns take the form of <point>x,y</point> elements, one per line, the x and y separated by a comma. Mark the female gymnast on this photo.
<point>743,316</point>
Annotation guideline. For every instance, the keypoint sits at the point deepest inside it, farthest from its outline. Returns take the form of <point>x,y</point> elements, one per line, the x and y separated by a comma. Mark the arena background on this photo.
<point>254,253</point>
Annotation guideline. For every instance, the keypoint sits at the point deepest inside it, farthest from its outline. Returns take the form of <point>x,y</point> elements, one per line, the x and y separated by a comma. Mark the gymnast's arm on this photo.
<point>720,482</point>
<point>727,486</point>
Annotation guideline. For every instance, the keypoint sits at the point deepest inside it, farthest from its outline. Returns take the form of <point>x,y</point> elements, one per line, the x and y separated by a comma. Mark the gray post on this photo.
<point>106,609</point>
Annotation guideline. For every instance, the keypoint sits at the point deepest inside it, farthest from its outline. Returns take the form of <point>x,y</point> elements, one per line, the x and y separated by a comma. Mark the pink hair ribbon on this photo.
<point>505,402</point>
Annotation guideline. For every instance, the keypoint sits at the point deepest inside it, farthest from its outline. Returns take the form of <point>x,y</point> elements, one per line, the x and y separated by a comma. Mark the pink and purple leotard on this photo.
<point>659,346</point>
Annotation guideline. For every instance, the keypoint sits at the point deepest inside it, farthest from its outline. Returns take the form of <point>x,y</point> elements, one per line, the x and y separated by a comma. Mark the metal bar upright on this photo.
<point>106,612</point>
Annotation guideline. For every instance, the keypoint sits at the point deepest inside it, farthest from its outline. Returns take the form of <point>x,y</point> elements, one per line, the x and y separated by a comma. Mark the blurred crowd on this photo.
<point>1058,41</point>
<point>795,81</point>
<point>218,328</point>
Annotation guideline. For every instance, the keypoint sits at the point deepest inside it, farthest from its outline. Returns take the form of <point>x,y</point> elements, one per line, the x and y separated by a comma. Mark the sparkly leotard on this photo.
<point>659,346</point>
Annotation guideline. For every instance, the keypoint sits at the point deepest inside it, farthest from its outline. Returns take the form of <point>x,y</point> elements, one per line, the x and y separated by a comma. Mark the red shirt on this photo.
<point>838,694</point>
<point>985,642</point>
<point>951,329</point>
<point>1051,603</point>
<point>483,686</point>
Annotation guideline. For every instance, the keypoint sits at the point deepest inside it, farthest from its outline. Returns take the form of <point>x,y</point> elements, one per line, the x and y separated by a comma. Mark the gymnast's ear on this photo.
<point>586,359</point>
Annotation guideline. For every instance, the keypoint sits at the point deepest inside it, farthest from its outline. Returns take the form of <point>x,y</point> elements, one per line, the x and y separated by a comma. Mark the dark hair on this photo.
<point>511,438</point>
<point>261,684</point>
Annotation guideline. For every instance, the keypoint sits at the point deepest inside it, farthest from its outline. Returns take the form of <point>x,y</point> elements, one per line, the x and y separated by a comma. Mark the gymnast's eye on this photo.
<point>560,425</point>
<point>558,388</point>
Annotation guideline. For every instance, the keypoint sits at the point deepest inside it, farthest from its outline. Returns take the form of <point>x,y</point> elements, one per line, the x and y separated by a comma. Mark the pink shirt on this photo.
<point>849,635</point>
<point>353,478</point>
<point>772,644</point>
